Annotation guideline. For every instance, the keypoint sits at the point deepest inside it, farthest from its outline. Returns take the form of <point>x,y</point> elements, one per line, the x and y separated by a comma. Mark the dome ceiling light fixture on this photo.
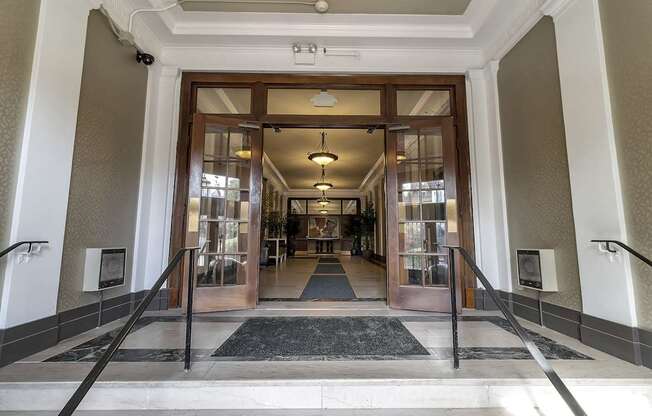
<point>323,157</point>
<point>245,148</point>
<point>323,99</point>
<point>323,185</point>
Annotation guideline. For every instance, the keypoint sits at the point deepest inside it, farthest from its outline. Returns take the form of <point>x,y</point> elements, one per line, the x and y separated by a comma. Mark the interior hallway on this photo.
<point>289,280</point>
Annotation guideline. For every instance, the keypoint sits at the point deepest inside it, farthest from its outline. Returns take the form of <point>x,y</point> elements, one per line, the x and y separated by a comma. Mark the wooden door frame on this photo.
<point>236,296</point>
<point>387,84</point>
<point>419,297</point>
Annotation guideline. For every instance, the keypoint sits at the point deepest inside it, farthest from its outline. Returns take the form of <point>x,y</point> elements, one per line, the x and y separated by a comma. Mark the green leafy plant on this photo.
<point>367,225</point>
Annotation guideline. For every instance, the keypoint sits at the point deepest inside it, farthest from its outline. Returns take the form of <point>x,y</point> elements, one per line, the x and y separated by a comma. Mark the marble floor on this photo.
<point>154,351</point>
<point>288,281</point>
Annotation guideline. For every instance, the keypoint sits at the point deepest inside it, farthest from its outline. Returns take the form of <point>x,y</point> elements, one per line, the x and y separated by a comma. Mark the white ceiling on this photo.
<point>357,150</point>
<point>484,31</point>
<point>432,7</point>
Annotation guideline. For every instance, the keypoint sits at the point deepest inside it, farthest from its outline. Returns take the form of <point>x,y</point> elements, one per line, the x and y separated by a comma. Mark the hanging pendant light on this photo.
<point>323,201</point>
<point>323,157</point>
<point>323,185</point>
<point>245,149</point>
<point>323,212</point>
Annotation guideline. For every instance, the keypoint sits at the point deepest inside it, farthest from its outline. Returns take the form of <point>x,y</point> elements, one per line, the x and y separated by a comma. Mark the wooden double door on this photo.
<point>224,212</point>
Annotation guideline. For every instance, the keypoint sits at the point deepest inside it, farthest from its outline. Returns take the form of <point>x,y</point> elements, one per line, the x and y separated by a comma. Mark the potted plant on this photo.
<point>367,225</point>
<point>291,230</point>
<point>354,229</point>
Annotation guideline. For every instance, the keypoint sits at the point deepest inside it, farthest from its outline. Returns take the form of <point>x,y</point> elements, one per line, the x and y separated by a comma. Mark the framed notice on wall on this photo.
<point>323,227</point>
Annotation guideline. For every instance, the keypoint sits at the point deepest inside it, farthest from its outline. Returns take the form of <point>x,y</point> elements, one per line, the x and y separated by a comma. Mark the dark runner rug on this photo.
<point>355,337</point>
<point>328,288</point>
<point>329,269</point>
<point>329,260</point>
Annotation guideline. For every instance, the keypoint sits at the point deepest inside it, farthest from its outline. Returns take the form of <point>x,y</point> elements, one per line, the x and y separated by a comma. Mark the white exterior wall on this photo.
<point>40,206</point>
<point>607,289</point>
<point>487,176</point>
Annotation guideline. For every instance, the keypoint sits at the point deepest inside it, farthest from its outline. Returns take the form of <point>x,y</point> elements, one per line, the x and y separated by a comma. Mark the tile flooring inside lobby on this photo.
<point>289,280</point>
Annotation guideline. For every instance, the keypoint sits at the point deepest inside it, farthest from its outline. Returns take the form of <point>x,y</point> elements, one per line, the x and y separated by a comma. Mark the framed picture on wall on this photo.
<point>323,227</point>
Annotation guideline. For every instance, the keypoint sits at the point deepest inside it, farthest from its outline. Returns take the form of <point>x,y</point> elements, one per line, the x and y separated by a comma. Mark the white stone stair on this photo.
<point>520,397</point>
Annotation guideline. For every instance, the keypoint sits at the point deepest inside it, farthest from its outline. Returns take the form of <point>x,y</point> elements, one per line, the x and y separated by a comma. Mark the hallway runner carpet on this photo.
<point>328,282</point>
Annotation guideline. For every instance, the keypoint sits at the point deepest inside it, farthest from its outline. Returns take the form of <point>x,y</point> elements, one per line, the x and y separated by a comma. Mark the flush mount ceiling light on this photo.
<point>323,157</point>
<point>323,99</point>
<point>323,185</point>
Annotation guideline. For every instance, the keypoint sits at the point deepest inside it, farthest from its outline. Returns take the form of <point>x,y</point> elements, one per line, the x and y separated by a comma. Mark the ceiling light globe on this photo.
<point>244,154</point>
<point>323,212</point>
<point>321,6</point>
<point>323,186</point>
<point>324,202</point>
<point>322,158</point>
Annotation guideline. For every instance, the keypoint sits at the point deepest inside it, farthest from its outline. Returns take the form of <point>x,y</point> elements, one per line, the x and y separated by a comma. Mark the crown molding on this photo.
<point>524,21</point>
<point>373,173</point>
<point>556,8</point>
<point>276,172</point>
<point>144,36</point>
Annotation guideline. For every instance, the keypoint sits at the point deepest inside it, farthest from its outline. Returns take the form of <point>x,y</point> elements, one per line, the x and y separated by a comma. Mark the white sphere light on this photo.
<point>321,6</point>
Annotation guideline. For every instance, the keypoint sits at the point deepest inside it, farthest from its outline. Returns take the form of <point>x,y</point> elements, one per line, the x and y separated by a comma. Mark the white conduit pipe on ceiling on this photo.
<point>321,6</point>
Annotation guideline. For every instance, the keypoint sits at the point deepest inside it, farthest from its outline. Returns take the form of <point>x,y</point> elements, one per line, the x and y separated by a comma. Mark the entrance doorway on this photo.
<point>330,245</point>
<point>224,188</point>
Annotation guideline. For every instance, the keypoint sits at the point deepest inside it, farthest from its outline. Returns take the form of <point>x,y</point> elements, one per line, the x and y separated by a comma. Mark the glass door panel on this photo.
<point>226,165</point>
<point>423,164</point>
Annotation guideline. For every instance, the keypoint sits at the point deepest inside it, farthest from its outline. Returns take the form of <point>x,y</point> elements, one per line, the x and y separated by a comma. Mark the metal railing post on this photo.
<point>532,348</point>
<point>191,274</point>
<point>453,284</point>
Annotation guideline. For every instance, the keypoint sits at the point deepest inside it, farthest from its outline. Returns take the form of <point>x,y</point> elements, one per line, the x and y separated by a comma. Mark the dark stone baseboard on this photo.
<point>24,340</point>
<point>627,343</point>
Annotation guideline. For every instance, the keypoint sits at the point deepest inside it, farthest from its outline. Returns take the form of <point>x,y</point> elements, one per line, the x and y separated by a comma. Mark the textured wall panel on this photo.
<point>628,46</point>
<point>538,194</point>
<point>18,24</point>
<point>103,199</point>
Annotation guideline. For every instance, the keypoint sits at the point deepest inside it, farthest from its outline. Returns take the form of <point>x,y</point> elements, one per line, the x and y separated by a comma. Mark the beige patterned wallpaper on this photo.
<point>537,182</point>
<point>628,47</point>
<point>103,197</point>
<point>18,24</point>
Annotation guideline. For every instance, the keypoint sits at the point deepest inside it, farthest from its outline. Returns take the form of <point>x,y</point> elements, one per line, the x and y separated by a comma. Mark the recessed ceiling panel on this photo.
<point>357,150</point>
<point>426,7</point>
<point>305,102</point>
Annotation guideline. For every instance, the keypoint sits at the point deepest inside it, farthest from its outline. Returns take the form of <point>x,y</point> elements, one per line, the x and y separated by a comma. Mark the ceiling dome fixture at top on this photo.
<point>323,157</point>
<point>321,6</point>
<point>323,99</point>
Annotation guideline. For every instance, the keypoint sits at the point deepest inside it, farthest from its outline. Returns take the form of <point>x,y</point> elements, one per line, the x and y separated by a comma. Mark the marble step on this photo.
<point>598,396</point>
<point>283,412</point>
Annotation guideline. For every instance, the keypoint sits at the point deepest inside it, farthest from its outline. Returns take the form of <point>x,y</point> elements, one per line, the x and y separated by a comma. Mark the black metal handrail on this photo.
<point>99,366</point>
<point>626,247</point>
<point>554,378</point>
<point>18,244</point>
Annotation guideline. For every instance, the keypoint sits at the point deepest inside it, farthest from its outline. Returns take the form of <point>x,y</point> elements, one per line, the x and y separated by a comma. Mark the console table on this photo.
<point>279,252</point>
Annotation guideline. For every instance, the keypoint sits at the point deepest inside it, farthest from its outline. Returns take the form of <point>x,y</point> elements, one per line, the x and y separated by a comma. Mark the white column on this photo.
<point>492,252</point>
<point>157,176</point>
<point>607,290</point>
<point>31,289</point>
